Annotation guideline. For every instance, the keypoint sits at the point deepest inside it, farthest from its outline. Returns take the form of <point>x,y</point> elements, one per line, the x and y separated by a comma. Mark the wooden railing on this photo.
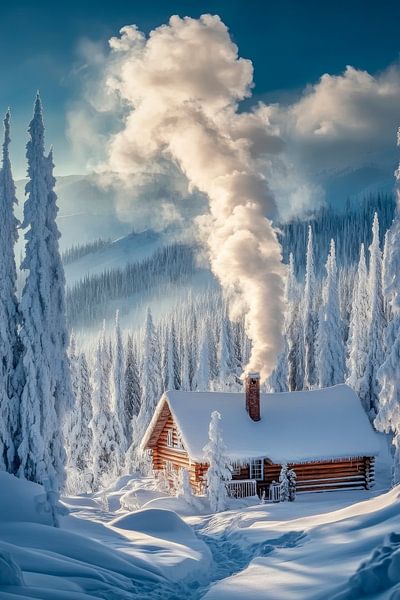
<point>241,488</point>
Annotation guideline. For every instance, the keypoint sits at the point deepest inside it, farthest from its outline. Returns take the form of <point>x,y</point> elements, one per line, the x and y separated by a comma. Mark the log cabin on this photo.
<point>323,434</point>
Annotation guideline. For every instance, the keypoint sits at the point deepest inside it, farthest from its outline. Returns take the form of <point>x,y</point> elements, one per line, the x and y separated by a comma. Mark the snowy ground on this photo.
<point>132,541</point>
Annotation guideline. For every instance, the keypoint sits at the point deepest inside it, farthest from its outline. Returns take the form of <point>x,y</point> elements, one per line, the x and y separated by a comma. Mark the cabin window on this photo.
<point>171,443</point>
<point>257,469</point>
<point>170,438</point>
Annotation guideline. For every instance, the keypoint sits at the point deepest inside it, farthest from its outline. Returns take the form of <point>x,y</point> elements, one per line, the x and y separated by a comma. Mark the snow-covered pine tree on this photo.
<point>294,333</point>
<point>150,377</point>
<point>184,489</point>
<point>203,373</point>
<point>330,359</point>
<point>72,422</point>
<point>185,368</point>
<point>132,392</point>
<point>46,395</point>
<point>106,429</point>
<point>310,319</point>
<point>377,324</point>
<point>386,275</point>
<point>79,435</point>
<point>278,380</point>
<point>227,375</point>
<point>85,398</point>
<point>9,343</point>
<point>284,481</point>
<point>219,470</point>
<point>119,391</point>
<point>388,417</point>
<point>213,350</point>
<point>173,377</point>
<point>192,345</point>
<point>74,367</point>
<point>357,344</point>
<point>292,479</point>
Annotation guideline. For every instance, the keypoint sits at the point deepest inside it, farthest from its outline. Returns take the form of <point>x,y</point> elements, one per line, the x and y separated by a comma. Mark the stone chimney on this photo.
<point>252,391</point>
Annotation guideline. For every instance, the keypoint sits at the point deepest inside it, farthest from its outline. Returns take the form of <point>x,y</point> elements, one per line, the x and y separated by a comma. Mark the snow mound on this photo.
<point>136,499</point>
<point>198,506</point>
<point>153,521</point>
<point>381,572</point>
<point>22,500</point>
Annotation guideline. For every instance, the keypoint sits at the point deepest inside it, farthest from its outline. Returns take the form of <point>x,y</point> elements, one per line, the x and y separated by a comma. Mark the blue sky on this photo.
<point>291,43</point>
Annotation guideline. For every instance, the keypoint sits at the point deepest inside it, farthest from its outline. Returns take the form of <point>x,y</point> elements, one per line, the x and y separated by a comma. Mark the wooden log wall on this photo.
<point>179,458</point>
<point>355,473</point>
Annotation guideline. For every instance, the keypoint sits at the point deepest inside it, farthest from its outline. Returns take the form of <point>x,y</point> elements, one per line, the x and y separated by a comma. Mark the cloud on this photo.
<point>343,120</point>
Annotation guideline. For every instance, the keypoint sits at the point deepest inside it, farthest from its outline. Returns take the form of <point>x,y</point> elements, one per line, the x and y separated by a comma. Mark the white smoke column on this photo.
<point>181,87</point>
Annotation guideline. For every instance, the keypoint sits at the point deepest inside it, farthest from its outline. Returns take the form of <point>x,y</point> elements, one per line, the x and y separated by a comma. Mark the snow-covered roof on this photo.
<point>295,426</point>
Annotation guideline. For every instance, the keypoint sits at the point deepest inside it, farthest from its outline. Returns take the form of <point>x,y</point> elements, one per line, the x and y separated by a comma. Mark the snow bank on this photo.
<point>154,521</point>
<point>379,573</point>
<point>22,500</point>
<point>294,427</point>
<point>136,499</point>
<point>172,544</point>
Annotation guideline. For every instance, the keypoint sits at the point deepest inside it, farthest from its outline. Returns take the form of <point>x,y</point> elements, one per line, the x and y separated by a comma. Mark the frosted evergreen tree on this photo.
<point>70,425</point>
<point>185,376</point>
<point>375,354</point>
<point>213,350</point>
<point>172,367</point>
<point>132,392</point>
<point>386,275</point>
<point>85,458</point>
<point>388,417</point>
<point>237,348</point>
<point>106,429</point>
<point>226,356</point>
<point>119,380</point>
<point>74,367</point>
<point>292,479</point>
<point>46,395</point>
<point>203,374</point>
<point>294,333</point>
<point>79,435</point>
<point>150,376</point>
<point>330,360</point>
<point>278,380</point>
<point>219,470</point>
<point>184,489</point>
<point>9,344</point>
<point>310,320</point>
<point>358,330</point>
<point>284,481</point>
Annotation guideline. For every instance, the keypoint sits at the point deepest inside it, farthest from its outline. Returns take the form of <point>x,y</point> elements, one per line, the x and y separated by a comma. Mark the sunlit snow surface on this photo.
<point>132,541</point>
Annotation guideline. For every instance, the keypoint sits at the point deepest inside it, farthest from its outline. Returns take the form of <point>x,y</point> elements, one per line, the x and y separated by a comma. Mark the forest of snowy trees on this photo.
<point>340,326</point>
<point>73,410</point>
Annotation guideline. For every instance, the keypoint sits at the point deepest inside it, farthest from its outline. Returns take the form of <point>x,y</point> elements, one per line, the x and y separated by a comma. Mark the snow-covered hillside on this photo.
<point>117,254</point>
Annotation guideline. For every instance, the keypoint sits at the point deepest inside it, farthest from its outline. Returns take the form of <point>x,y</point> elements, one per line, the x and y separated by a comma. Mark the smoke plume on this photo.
<point>181,87</point>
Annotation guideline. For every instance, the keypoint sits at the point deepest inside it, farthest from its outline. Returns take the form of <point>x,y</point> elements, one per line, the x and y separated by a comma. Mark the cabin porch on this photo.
<point>352,473</point>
